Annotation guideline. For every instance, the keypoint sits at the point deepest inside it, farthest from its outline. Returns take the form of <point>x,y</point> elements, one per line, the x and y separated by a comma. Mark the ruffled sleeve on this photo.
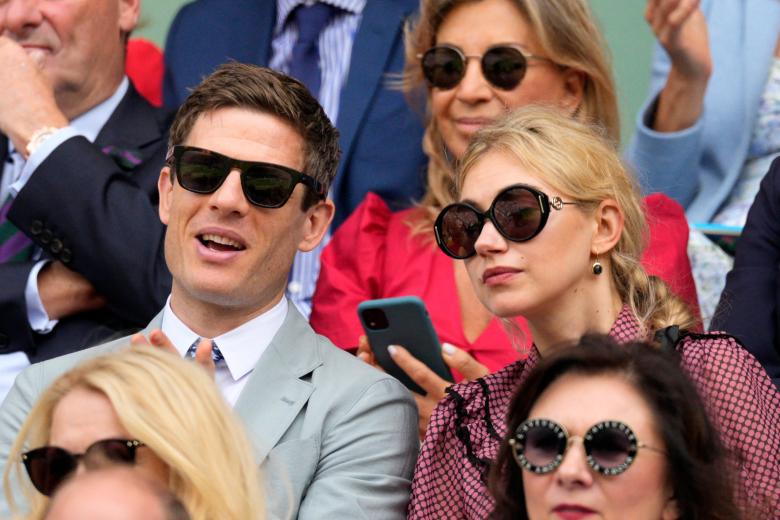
<point>350,272</point>
<point>463,437</point>
<point>744,406</point>
<point>666,255</point>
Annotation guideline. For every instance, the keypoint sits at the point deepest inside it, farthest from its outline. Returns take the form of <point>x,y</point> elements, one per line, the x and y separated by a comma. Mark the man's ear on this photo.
<point>165,190</point>
<point>608,222</point>
<point>318,219</point>
<point>129,12</point>
<point>573,90</point>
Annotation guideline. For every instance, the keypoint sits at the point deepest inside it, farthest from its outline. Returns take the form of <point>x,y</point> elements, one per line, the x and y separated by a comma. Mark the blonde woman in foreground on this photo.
<point>146,408</point>
<point>550,226</point>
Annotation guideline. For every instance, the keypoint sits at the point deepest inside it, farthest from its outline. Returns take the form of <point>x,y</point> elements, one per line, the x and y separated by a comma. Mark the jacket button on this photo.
<point>3,342</point>
<point>66,256</point>
<point>36,227</point>
<point>46,236</point>
<point>56,246</point>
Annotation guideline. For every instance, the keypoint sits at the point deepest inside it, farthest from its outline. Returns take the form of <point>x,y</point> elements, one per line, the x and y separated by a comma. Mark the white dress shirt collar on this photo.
<point>241,347</point>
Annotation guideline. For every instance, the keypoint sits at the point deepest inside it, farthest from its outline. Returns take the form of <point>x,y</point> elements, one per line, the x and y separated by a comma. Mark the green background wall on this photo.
<point>622,20</point>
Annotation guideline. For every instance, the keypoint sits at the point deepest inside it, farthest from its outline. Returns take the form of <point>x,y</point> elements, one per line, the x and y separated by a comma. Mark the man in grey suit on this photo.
<point>335,438</point>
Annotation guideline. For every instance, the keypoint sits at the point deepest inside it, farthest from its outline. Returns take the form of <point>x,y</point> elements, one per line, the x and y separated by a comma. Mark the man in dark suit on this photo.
<point>361,52</point>
<point>80,242</point>
<point>749,307</point>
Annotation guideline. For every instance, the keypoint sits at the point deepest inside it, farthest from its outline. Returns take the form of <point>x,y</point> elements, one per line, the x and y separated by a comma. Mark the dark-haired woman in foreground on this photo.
<point>614,431</point>
<point>551,227</point>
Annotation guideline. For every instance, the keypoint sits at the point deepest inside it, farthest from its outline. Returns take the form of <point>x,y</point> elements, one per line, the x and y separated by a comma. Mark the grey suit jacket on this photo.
<point>335,438</point>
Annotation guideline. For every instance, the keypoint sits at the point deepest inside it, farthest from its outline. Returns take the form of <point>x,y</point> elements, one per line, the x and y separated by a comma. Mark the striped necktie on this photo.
<point>216,355</point>
<point>14,245</point>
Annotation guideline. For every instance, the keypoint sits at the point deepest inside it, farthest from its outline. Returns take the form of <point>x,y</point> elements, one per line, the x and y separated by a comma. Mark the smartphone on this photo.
<point>402,321</point>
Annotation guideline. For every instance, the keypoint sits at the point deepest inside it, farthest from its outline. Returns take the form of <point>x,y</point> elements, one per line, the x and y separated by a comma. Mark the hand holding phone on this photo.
<point>402,321</point>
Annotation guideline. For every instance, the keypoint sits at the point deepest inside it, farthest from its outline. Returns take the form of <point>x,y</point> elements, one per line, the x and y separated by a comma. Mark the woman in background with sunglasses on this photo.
<point>479,59</point>
<point>551,227</point>
<point>646,452</point>
<point>146,408</point>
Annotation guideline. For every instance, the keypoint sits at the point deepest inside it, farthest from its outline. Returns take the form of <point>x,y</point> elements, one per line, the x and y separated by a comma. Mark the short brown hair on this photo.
<point>240,85</point>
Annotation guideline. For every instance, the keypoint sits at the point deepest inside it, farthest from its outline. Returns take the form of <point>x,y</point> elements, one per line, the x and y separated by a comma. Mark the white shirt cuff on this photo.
<point>36,314</point>
<point>40,155</point>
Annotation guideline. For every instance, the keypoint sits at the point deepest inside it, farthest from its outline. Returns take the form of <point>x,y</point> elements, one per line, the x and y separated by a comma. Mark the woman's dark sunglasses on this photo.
<point>49,466</point>
<point>266,185</point>
<point>518,212</point>
<point>503,66</point>
<point>539,446</point>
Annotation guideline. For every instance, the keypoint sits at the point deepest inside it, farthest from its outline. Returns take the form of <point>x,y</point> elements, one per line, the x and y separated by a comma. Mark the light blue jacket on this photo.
<point>699,166</point>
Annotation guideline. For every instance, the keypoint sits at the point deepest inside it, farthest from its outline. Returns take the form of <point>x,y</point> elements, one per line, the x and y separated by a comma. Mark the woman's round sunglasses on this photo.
<point>49,466</point>
<point>518,212</point>
<point>264,184</point>
<point>504,66</point>
<point>539,445</point>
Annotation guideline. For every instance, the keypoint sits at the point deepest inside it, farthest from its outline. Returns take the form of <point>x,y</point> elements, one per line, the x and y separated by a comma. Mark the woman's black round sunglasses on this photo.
<point>518,212</point>
<point>49,466</point>
<point>265,184</point>
<point>504,66</point>
<point>539,445</point>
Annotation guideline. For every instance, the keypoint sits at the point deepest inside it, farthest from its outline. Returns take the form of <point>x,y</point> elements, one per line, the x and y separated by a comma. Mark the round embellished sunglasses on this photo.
<point>504,66</point>
<point>539,446</point>
<point>49,466</point>
<point>518,212</point>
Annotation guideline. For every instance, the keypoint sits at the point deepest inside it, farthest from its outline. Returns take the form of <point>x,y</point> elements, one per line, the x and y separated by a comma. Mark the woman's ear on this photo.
<point>573,90</point>
<point>608,223</point>
<point>671,511</point>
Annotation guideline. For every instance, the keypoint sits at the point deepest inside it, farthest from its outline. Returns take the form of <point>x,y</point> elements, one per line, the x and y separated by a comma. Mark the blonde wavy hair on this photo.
<point>175,409</point>
<point>567,33</point>
<point>578,160</point>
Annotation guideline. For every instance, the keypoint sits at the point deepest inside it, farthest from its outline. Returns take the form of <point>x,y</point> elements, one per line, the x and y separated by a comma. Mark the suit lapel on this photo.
<point>266,17</point>
<point>378,31</point>
<point>275,393</point>
<point>134,124</point>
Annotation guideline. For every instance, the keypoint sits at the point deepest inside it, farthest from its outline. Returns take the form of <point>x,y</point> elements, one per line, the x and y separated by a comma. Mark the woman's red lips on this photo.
<point>572,511</point>
<point>499,274</point>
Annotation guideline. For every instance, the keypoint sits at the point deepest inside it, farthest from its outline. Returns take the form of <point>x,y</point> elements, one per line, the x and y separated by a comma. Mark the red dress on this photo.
<point>741,401</point>
<point>374,255</point>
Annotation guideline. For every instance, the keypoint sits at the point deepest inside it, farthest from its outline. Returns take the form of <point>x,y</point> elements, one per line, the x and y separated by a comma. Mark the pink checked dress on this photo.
<point>467,426</point>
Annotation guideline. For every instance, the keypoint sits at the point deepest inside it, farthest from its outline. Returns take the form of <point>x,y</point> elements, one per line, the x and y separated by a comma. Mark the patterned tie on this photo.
<point>216,355</point>
<point>305,61</point>
<point>14,245</point>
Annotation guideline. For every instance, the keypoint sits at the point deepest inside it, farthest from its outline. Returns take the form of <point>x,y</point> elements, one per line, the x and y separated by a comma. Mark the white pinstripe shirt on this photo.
<point>335,46</point>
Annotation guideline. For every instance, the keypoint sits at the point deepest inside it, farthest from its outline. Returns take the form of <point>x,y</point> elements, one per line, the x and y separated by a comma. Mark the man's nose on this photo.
<point>18,17</point>
<point>230,197</point>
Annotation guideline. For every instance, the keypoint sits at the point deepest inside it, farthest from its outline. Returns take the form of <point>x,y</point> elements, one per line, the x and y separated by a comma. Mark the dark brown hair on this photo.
<point>240,85</point>
<point>698,474</point>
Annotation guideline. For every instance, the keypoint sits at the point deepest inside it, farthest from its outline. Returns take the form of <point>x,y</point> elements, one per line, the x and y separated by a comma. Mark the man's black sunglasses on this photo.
<point>49,466</point>
<point>265,184</point>
<point>504,66</point>
<point>518,212</point>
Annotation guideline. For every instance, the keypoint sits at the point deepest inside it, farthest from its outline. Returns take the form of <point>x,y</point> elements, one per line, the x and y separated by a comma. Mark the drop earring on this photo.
<point>597,267</point>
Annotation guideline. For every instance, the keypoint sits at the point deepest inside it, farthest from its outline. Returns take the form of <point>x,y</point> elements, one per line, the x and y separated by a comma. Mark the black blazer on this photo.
<point>98,216</point>
<point>749,307</point>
